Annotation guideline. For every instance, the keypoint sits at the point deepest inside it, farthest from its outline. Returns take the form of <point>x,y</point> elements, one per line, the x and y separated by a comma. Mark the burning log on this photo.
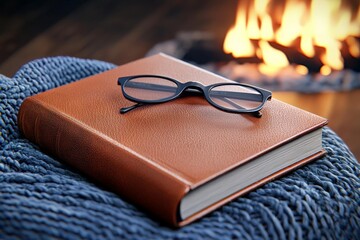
<point>282,44</point>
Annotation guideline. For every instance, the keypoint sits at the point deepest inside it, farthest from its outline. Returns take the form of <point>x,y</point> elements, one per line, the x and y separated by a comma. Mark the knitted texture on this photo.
<point>42,198</point>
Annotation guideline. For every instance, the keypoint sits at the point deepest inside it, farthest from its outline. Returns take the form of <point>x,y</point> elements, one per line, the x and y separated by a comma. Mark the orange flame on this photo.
<point>331,25</point>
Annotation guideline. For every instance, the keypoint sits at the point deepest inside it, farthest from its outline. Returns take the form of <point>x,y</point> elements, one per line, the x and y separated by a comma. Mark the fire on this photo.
<point>236,42</point>
<point>308,26</point>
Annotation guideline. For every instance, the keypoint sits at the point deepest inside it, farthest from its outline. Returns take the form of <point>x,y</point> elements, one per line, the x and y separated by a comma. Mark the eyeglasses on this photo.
<point>228,97</point>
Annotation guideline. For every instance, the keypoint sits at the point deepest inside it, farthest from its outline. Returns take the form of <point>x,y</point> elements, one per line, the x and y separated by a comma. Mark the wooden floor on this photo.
<point>121,31</point>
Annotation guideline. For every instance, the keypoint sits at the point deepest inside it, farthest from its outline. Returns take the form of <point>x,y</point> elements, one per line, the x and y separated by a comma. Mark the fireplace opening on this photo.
<point>307,46</point>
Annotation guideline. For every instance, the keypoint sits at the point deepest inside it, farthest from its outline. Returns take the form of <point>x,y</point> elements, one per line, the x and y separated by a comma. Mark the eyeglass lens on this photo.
<point>150,88</point>
<point>235,97</point>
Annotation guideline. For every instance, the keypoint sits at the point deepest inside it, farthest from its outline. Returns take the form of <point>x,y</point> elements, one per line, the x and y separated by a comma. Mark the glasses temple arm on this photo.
<point>257,114</point>
<point>151,86</point>
<point>238,95</point>
<point>128,109</point>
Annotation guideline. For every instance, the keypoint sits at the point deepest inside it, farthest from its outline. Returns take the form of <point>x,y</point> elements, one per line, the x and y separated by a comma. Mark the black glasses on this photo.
<point>228,97</point>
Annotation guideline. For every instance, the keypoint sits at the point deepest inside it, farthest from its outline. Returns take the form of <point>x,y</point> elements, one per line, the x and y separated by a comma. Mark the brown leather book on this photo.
<point>177,160</point>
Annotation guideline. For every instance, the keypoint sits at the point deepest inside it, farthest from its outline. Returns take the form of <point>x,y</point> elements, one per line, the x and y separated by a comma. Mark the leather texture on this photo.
<point>155,154</point>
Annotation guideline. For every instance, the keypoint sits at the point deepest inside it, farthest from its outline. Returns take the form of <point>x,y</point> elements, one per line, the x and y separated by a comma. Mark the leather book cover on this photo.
<point>154,155</point>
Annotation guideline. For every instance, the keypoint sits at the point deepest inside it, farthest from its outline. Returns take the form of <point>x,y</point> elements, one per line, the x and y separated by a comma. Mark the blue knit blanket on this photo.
<point>42,198</point>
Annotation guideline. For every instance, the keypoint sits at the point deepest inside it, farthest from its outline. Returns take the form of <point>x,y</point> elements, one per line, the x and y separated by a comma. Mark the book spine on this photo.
<point>105,161</point>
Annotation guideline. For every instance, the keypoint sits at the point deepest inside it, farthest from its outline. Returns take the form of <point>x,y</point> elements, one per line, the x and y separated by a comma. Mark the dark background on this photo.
<point>109,30</point>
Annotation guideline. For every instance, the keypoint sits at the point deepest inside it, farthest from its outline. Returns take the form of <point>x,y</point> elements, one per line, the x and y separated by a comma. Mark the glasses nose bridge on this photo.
<point>194,85</point>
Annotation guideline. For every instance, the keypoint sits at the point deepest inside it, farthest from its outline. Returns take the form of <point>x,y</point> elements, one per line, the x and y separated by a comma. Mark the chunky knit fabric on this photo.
<point>42,198</point>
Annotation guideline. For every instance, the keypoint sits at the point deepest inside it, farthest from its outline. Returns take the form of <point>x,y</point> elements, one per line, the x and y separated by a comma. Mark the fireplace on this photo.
<point>306,46</point>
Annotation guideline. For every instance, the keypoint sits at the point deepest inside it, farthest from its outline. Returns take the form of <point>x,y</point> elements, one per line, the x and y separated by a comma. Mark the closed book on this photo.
<point>177,160</point>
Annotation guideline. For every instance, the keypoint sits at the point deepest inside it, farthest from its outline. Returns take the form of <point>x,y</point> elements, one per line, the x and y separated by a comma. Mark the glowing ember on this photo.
<point>319,28</point>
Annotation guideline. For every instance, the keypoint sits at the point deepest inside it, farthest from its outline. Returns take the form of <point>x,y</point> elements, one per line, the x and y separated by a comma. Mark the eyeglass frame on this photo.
<point>198,87</point>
